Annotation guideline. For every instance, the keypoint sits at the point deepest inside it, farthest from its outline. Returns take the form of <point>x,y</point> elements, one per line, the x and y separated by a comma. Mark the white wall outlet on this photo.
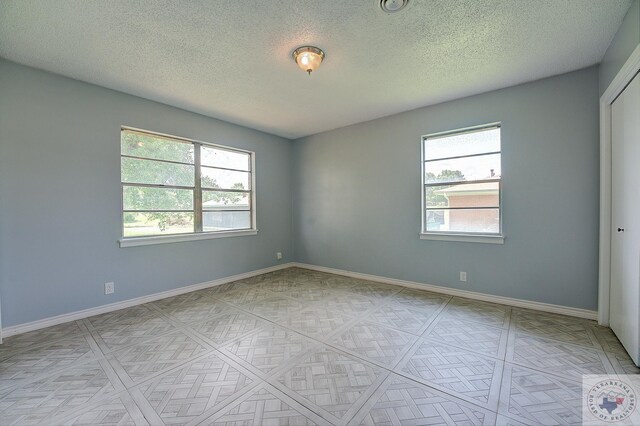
<point>463,276</point>
<point>109,288</point>
<point>279,256</point>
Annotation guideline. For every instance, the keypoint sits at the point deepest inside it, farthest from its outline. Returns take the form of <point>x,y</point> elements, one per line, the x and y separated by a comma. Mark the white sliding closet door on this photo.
<point>625,213</point>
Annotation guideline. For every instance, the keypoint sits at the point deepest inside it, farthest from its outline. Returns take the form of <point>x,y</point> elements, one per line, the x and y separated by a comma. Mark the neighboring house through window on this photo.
<point>462,182</point>
<point>172,185</point>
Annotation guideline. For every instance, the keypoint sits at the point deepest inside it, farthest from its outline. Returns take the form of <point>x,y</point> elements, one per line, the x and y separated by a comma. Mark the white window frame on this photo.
<point>197,208</point>
<point>471,237</point>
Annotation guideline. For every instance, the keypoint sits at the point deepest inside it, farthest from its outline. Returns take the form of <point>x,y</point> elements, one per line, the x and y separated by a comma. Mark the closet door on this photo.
<point>625,213</point>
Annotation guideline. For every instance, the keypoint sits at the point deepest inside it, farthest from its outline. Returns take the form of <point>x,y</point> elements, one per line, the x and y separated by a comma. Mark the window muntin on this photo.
<point>172,186</point>
<point>462,182</point>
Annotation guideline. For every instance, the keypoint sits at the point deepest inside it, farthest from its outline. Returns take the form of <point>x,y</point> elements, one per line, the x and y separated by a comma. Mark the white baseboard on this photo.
<point>73,316</point>
<point>520,303</point>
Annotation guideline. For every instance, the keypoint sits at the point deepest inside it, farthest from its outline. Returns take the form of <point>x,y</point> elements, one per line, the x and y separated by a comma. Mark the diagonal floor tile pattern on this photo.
<point>556,327</point>
<point>375,342</point>
<point>481,312</point>
<point>473,336</point>
<point>121,411</point>
<point>37,361</point>
<point>187,392</point>
<point>302,347</point>
<point>153,356</point>
<point>553,356</point>
<point>269,348</point>
<point>265,406</point>
<point>228,326</point>
<point>401,401</point>
<point>331,382</point>
<point>117,336</point>
<point>537,398</point>
<point>316,321</point>
<point>57,394</point>
<point>419,299</point>
<point>38,338</point>
<point>402,318</point>
<point>462,373</point>
<point>192,307</point>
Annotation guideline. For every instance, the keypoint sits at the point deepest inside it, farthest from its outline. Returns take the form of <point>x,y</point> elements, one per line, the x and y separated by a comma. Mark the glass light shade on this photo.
<point>308,58</point>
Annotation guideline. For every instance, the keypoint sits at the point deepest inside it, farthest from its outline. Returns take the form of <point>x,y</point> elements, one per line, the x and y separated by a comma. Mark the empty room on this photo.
<point>304,212</point>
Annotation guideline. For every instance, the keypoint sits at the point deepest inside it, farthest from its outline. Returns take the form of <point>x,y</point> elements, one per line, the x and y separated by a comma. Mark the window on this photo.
<point>175,186</point>
<point>462,184</point>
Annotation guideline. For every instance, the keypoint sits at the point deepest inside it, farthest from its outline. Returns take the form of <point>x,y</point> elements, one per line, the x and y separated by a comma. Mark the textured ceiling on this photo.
<point>231,59</point>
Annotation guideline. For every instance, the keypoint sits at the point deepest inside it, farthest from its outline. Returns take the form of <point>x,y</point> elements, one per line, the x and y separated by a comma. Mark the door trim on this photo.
<point>622,79</point>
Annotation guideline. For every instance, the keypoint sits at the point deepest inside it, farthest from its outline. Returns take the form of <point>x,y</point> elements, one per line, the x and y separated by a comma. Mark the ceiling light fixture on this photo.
<point>308,58</point>
<point>393,6</point>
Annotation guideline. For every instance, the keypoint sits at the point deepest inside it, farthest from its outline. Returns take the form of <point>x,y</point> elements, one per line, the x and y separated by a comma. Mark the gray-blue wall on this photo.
<point>355,202</point>
<point>60,198</point>
<point>623,44</point>
<point>357,195</point>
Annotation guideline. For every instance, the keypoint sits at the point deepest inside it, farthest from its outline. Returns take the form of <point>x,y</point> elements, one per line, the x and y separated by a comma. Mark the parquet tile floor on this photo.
<point>300,347</point>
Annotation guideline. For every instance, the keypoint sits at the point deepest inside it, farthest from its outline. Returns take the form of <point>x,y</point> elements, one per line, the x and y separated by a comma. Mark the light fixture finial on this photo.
<point>308,58</point>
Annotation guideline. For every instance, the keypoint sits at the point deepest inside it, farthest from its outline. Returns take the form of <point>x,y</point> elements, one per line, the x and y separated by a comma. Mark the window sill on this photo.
<point>166,239</point>
<point>466,238</point>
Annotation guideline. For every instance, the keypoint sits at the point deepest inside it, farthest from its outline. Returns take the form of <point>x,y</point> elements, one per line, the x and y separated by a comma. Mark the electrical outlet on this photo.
<point>463,276</point>
<point>109,288</point>
<point>279,256</point>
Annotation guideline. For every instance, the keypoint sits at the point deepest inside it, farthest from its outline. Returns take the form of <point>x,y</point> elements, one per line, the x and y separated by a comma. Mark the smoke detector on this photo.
<point>393,6</point>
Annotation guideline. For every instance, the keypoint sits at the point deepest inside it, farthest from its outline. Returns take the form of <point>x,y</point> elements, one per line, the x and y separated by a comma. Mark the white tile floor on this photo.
<point>300,347</point>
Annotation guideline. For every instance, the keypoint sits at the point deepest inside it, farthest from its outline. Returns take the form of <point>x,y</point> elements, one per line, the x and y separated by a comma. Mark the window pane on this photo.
<point>465,195</point>
<point>144,224</point>
<point>435,220</point>
<point>466,220</point>
<point>221,200</point>
<point>435,197</point>
<point>157,173</point>
<point>463,144</point>
<point>144,198</point>
<point>225,179</point>
<point>223,221</point>
<point>222,158</point>
<point>461,169</point>
<point>147,146</point>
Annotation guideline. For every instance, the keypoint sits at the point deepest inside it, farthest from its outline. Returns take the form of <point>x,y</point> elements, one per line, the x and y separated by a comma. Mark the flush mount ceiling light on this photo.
<point>393,6</point>
<point>308,58</point>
